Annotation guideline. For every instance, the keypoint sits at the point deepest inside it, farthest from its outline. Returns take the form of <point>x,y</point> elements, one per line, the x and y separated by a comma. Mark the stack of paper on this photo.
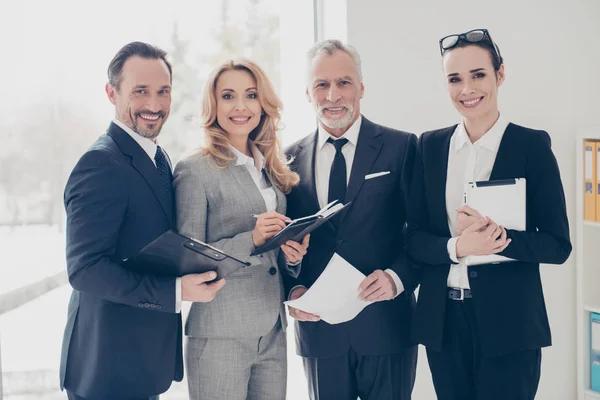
<point>334,295</point>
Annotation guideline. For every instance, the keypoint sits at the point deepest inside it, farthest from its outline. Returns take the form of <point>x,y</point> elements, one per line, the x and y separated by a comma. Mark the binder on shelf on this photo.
<point>595,351</point>
<point>597,185</point>
<point>590,180</point>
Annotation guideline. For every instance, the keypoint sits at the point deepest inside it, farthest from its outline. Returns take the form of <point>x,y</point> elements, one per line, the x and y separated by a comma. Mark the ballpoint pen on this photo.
<point>255,216</point>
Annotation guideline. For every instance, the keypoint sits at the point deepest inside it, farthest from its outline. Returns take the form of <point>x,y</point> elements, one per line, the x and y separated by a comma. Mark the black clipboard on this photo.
<point>175,254</point>
<point>298,228</point>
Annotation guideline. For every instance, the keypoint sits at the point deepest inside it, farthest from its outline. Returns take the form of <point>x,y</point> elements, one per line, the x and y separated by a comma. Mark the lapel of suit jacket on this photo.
<point>367,149</point>
<point>280,199</point>
<point>506,152</point>
<point>279,195</point>
<point>438,162</point>
<point>305,167</point>
<point>243,178</point>
<point>142,163</point>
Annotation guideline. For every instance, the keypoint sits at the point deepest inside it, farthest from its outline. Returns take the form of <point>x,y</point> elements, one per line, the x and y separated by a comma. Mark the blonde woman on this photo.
<point>231,194</point>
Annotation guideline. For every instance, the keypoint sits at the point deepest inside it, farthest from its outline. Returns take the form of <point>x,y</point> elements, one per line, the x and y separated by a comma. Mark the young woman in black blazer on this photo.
<point>484,325</point>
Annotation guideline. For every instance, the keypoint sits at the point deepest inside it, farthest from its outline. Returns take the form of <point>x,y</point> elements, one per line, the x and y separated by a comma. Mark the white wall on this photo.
<point>552,57</point>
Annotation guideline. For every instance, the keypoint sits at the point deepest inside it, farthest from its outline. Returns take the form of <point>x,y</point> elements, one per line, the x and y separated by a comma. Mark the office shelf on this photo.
<point>590,394</point>
<point>587,259</point>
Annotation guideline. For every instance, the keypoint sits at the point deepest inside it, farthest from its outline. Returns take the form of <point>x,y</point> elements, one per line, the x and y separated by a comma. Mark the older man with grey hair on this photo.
<point>352,159</point>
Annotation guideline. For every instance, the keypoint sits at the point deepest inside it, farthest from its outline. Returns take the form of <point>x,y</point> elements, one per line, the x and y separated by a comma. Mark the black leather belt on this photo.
<point>459,294</point>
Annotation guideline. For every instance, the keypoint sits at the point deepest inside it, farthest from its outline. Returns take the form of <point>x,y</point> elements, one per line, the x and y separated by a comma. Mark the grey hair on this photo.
<point>329,47</point>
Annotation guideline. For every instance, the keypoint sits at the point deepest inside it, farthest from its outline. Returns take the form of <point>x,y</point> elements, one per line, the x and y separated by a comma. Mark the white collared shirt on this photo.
<point>149,147</point>
<point>255,166</point>
<point>467,162</point>
<point>323,160</point>
<point>325,155</point>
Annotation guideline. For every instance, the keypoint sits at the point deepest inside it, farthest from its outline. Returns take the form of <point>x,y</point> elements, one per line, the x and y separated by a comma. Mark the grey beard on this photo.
<point>339,124</point>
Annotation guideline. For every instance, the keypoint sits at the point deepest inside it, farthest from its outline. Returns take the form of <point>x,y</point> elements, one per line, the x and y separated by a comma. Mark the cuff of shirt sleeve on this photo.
<point>397,281</point>
<point>297,286</point>
<point>293,264</point>
<point>178,295</point>
<point>452,249</point>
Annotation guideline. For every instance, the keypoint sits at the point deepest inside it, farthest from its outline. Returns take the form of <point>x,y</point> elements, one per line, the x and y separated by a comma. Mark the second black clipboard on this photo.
<point>300,227</point>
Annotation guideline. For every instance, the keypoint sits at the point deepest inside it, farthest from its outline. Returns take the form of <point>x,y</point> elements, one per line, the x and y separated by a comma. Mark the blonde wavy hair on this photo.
<point>264,136</point>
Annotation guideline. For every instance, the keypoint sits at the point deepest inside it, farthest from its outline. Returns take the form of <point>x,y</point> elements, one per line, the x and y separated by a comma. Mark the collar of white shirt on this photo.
<point>146,144</point>
<point>351,134</point>
<point>257,160</point>
<point>491,139</point>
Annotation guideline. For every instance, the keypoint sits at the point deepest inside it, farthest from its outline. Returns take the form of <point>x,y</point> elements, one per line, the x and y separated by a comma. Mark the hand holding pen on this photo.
<point>267,225</point>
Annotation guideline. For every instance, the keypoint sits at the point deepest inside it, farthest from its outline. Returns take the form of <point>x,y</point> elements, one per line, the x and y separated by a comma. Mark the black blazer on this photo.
<point>370,236</point>
<point>507,297</point>
<point>123,337</point>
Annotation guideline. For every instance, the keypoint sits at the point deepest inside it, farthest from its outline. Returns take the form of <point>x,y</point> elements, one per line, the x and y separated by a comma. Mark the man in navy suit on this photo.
<point>352,159</point>
<point>123,333</point>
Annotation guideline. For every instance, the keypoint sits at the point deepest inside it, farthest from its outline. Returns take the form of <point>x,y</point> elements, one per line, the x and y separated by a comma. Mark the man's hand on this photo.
<point>300,315</point>
<point>378,286</point>
<point>267,225</point>
<point>465,217</point>
<point>294,251</point>
<point>198,288</point>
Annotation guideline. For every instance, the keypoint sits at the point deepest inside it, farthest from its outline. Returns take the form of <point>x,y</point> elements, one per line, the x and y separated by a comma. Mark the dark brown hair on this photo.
<point>140,49</point>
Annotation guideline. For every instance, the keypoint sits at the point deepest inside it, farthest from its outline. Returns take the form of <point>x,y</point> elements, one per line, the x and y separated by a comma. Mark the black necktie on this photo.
<point>164,169</point>
<point>337,176</point>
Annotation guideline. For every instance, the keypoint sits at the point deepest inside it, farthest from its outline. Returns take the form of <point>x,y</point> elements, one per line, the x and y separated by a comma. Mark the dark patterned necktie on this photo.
<point>337,176</point>
<point>164,169</point>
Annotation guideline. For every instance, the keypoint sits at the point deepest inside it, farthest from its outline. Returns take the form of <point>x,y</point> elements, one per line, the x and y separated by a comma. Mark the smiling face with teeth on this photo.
<point>238,108</point>
<point>472,83</point>
<point>335,90</point>
<point>143,100</point>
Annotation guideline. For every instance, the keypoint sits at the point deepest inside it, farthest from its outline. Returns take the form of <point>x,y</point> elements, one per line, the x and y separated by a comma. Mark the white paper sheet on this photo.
<point>334,295</point>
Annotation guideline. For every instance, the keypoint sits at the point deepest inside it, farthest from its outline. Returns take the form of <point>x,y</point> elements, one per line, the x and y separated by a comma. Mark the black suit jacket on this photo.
<point>123,337</point>
<point>507,297</point>
<point>370,236</point>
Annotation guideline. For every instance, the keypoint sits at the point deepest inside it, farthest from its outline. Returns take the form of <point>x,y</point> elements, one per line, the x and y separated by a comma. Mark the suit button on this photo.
<point>272,270</point>
<point>158,306</point>
<point>140,304</point>
<point>152,305</point>
<point>340,242</point>
<point>147,305</point>
<point>472,274</point>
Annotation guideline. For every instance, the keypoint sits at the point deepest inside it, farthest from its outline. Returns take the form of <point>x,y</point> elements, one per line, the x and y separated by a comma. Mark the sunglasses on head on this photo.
<point>474,36</point>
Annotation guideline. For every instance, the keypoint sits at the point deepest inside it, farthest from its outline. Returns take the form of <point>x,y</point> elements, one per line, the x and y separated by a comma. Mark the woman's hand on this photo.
<point>465,217</point>
<point>267,225</point>
<point>482,238</point>
<point>294,251</point>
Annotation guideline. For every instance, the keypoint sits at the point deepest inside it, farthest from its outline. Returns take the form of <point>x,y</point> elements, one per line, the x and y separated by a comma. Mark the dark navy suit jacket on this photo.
<point>507,297</point>
<point>123,337</point>
<point>370,236</point>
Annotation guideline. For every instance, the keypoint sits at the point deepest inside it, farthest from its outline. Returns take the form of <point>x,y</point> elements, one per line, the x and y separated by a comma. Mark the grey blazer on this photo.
<point>215,205</point>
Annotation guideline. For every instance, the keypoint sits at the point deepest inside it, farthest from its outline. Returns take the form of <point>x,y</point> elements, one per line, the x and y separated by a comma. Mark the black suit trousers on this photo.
<point>459,371</point>
<point>384,377</point>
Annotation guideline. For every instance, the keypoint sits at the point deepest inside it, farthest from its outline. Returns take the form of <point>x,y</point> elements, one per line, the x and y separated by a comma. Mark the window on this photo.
<point>53,107</point>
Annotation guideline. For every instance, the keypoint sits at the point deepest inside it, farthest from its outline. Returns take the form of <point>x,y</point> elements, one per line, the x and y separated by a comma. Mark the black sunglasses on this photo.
<point>474,36</point>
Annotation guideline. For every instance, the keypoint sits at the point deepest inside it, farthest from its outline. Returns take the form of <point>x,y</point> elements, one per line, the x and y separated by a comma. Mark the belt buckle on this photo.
<point>462,294</point>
